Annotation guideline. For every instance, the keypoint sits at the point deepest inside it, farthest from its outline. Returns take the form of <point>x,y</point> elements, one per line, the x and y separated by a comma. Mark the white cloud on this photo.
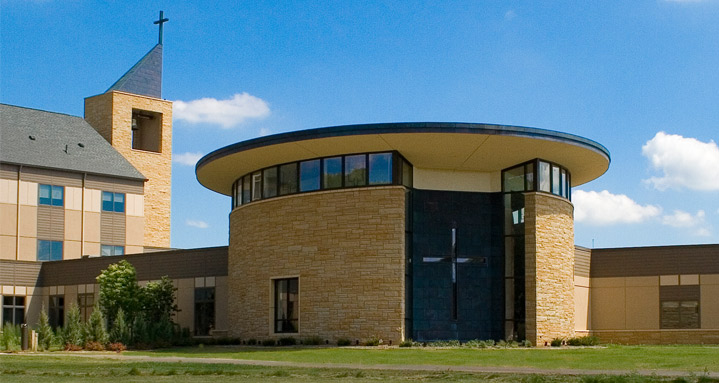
<point>196,223</point>
<point>684,162</point>
<point>605,208</point>
<point>509,15</point>
<point>265,132</point>
<point>683,219</point>
<point>226,113</point>
<point>189,158</point>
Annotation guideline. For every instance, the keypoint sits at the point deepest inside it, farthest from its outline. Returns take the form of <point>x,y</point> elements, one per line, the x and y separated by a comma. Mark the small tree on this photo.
<point>45,335</point>
<point>74,331</point>
<point>95,327</point>
<point>158,300</point>
<point>120,331</point>
<point>119,289</point>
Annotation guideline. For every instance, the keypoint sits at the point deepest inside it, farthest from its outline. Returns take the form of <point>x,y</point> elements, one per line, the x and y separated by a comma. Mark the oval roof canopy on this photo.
<point>431,145</point>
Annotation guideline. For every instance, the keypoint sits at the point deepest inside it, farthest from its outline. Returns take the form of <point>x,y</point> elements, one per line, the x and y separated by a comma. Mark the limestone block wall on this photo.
<point>111,115</point>
<point>345,246</point>
<point>549,257</point>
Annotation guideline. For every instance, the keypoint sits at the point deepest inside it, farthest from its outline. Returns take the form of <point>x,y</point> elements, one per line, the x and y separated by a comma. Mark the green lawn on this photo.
<point>62,367</point>
<point>683,358</point>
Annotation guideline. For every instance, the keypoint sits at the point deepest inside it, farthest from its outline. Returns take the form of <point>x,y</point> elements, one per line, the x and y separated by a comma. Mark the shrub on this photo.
<point>287,341</point>
<point>74,331</point>
<point>252,342</point>
<point>526,343</point>
<point>120,331</point>
<point>344,342</point>
<point>268,342</point>
<point>502,343</point>
<point>116,347</point>
<point>410,343</point>
<point>556,342</point>
<point>583,341</point>
<point>94,346</point>
<point>373,341</point>
<point>72,347</point>
<point>45,335</point>
<point>95,328</point>
<point>10,337</point>
<point>444,343</point>
<point>312,341</point>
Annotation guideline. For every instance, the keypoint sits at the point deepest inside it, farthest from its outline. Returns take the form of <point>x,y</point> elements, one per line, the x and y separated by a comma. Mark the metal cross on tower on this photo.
<point>161,21</point>
<point>455,259</point>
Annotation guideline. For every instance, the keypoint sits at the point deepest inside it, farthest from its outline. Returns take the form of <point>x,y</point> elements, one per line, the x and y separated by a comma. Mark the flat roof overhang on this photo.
<point>431,145</point>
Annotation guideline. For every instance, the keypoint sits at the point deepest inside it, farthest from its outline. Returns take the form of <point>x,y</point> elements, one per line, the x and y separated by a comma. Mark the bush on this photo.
<point>120,331</point>
<point>116,347</point>
<point>313,341</point>
<point>74,331</point>
<point>94,346</point>
<point>344,342</point>
<point>10,337</point>
<point>252,342</point>
<point>373,341</point>
<point>95,328</point>
<point>583,341</point>
<point>45,335</point>
<point>526,343</point>
<point>72,347</point>
<point>287,341</point>
<point>556,342</point>
<point>444,343</point>
<point>476,343</point>
<point>268,342</point>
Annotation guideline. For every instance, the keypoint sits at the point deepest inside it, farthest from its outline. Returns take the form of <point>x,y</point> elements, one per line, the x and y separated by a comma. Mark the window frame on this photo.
<point>561,187</point>
<point>56,310</point>
<point>55,247</point>
<point>113,200</point>
<point>51,201</point>
<point>291,306</point>
<point>13,308</point>
<point>113,250</point>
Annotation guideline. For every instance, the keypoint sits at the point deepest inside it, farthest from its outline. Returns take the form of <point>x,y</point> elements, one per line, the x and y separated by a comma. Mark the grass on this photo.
<point>67,368</point>
<point>630,358</point>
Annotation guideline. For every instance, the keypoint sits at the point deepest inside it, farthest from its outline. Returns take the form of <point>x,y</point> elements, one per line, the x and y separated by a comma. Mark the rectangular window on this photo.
<point>85,302</point>
<point>309,175</point>
<point>256,186</point>
<point>288,179</point>
<point>13,309</point>
<point>555,180</point>
<point>286,305</point>
<point>269,182</point>
<point>332,173</point>
<point>50,195</point>
<point>246,189</point>
<point>563,184</point>
<point>380,169</point>
<point>544,176</point>
<point>355,170</point>
<point>514,179</point>
<point>49,250</point>
<point>56,312</point>
<point>204,310</point>
<point>113,202</point>
<point>529,176</point>
<point>680,314</point>
<point>110,250</point>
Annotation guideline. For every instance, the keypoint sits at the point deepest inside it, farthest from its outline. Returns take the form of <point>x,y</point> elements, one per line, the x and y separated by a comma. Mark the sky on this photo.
<point>639,77</point>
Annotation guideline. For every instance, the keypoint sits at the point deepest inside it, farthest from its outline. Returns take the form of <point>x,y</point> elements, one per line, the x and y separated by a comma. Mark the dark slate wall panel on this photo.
<point>480,299</point>
<point>649,261</point>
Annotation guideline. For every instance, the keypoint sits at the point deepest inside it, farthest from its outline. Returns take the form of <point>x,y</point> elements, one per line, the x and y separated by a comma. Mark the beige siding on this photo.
<point>51,177</point>
<point>28,193</point>
<point>8,219</point>
<point>51,223</point>
<point>112,228</point>
<point>8,247</point>
<point>71,250</point>
<point>221,299</point>
<point>93,200</point>
<point>28,221</point>
<point>73,198</point>
<point>92,227</point>
<point>186,302</point>
<point>8,171</point>
<point>134,231</point>
<point>73,225</point>
<point>8,191</point>
<point>111,184</point>
<point>709,305</point>
<point>28,249</point>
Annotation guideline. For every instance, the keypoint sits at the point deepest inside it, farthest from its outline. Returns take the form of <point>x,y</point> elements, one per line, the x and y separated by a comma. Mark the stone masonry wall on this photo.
<point>346,247</point>
<point>111,115</point>
<point>549,226</point>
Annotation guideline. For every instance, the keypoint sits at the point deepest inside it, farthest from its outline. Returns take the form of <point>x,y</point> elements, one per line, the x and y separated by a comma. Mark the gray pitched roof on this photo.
<point>60,142</point>
<point>145,77</point>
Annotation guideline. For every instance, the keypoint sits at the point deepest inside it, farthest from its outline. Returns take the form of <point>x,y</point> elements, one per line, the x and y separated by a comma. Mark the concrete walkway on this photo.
<point>395,367</point>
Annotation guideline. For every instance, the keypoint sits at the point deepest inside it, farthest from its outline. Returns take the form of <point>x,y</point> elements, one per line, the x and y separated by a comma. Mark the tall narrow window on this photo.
<point>204,310</point>
<point>57,311</point>
<point>286,301</point>
<point>256,186</point>
<point>332,173</point>
<point>355,170</point>
<point>269,182</point>
<point>246,189</point>
<point>544,177</point>
<point>50,195</point>
<point>288,179</point>
<point>556,180</point>
<point>380,169</point>
<point>85,302</point>
<point>309,175</point>
<point>13,309</point>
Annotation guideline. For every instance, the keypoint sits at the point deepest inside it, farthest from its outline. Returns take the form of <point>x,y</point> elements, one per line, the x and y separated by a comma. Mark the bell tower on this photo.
<point>132,116</point>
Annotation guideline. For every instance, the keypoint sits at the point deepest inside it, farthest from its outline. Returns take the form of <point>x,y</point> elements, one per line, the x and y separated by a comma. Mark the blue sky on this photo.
<point>639,77</point>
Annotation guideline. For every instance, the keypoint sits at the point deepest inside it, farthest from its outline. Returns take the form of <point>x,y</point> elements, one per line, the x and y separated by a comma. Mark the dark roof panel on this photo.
<point>58,141</point>
<point>145,77</point>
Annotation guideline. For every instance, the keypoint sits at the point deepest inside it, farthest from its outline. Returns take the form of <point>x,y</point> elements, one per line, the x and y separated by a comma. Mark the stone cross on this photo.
<point>160,22</point>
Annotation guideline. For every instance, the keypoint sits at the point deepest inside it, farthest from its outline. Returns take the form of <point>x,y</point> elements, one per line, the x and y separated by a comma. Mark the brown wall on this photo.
<point>549,242</point>
<point>347,249</point>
